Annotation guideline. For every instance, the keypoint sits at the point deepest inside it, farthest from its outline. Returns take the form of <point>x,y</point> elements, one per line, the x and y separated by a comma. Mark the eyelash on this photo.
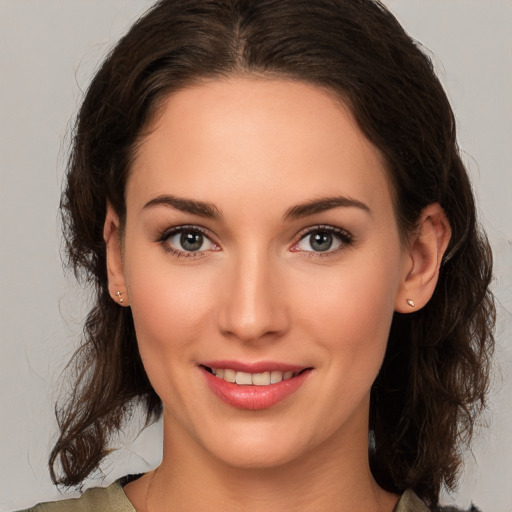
<point>344,238</point>
<point>191,255</point>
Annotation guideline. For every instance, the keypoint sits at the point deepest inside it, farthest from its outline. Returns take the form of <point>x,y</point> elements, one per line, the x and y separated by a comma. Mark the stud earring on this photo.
<point>118,295</point>
<point>410,302</point>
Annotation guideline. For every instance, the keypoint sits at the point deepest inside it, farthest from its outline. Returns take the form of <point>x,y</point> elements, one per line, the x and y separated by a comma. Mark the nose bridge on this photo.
<point>253,306</point>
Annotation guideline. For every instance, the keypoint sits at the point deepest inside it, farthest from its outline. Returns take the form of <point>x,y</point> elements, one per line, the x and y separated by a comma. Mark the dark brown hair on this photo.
<point>434,379</point>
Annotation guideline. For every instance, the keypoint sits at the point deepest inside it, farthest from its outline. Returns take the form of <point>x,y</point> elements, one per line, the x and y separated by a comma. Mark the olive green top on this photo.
<point>113,499</point>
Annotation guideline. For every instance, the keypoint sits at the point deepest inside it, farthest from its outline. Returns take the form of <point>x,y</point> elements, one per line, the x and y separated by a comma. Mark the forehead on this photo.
<point>242,137</point>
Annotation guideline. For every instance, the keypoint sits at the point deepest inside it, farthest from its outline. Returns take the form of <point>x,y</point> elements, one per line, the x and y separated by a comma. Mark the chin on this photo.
<point>258,446</point>
<point>257,457</point>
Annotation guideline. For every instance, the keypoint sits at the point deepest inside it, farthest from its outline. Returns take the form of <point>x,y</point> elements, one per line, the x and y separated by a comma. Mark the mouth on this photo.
<point>265,378</point>
<point>253,386</point>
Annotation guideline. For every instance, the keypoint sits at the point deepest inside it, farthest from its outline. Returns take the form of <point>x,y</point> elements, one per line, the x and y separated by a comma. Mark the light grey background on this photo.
<point>48,51</point>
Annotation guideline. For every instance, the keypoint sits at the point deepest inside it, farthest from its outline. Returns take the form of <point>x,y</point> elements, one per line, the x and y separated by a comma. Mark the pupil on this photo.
<point>321,241</point>
<point>191,241</point>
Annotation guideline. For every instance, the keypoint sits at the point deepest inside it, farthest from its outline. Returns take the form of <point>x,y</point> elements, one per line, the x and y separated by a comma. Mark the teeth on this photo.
<point>229,375</point>
<point>243,378</point>
<point>275,377</point>
<point>255,379</point>
<point>261,379</point>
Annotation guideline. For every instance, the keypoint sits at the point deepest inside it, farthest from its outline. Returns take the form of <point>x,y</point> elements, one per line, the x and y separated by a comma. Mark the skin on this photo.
<point>256,291</point>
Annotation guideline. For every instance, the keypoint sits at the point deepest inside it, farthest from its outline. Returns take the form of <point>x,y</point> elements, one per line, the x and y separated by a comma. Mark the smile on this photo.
<point>254,387</point>
<point>254,379</point>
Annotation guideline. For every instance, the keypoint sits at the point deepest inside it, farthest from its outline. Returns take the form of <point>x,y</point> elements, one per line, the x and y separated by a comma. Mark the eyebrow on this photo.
<point>200,208</point>
<point>320,205</point>
<point>209,210</point>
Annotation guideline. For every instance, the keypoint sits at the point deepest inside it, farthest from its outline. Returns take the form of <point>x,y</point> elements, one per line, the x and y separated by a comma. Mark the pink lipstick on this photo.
<point>253,386</point>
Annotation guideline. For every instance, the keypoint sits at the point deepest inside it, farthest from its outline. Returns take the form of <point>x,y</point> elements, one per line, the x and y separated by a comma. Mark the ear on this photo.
<point>426,248</point>
<point>115,271</point>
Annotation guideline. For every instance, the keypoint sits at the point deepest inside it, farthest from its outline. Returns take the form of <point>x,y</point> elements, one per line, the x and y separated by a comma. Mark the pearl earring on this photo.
<point>410,302</point>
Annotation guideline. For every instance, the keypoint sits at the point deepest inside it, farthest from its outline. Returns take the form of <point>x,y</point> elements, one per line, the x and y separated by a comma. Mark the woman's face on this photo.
<point>261,245</point>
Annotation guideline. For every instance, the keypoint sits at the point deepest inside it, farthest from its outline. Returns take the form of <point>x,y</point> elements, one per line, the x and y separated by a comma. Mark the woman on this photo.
<point>269,199</point>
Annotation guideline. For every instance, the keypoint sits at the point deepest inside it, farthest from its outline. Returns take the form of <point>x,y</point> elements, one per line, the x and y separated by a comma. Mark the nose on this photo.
<point>253,305</point>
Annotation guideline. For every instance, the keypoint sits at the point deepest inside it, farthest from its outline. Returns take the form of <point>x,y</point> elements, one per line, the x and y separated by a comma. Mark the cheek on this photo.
<point>350,311</point>
<point>169,308</point>
<point>168,302</point>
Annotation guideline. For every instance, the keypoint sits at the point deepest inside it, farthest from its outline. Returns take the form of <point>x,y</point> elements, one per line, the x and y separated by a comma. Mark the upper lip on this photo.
<point>256,367</point>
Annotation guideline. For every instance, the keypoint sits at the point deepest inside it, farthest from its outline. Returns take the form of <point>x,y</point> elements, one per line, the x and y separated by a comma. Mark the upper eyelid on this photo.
<point>166,233</point>
<point>326,227</point>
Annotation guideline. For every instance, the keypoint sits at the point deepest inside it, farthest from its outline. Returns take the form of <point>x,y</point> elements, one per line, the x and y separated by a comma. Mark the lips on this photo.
<point>253,386</point>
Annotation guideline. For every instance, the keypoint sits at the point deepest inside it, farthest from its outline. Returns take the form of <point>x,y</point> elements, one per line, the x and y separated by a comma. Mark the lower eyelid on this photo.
<point>184,255</point>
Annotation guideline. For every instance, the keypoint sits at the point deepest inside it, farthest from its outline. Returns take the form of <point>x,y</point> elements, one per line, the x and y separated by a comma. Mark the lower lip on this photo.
<point>252,397</point>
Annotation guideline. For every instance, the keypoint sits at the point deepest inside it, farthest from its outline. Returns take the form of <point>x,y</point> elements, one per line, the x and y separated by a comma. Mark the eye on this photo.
<point>187,241</point>
<point>323,239</point>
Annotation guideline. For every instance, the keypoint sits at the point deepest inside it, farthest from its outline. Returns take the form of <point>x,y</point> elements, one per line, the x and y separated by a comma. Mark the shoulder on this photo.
<point>472,508</point>
<point>409,502</point>
<point>110,498</point>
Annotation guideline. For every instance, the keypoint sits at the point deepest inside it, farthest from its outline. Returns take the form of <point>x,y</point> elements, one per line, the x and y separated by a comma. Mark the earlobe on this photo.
<point>427,246</point>
<point>114,257</point>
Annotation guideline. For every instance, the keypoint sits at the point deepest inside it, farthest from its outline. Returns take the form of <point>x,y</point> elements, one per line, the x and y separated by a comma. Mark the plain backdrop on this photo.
<point>48,52</point>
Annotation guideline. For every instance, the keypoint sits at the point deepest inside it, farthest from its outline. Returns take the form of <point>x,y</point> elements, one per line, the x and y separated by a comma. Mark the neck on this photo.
<point>333,478</point>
